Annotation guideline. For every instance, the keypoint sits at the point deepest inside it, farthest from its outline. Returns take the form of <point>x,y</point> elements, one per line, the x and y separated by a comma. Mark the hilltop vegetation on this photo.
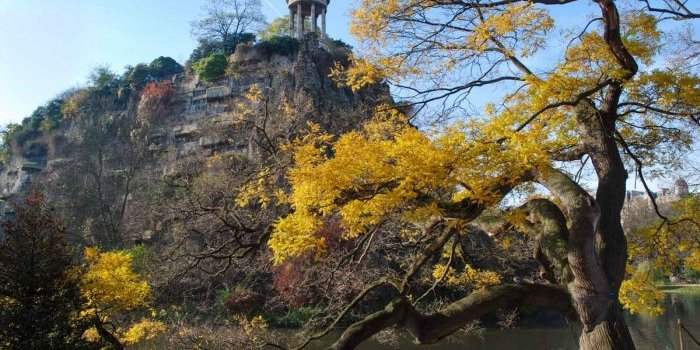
<point>209,62</point>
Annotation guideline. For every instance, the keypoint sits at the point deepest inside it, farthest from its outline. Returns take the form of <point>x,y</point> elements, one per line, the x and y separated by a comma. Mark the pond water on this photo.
<point>659,333</point>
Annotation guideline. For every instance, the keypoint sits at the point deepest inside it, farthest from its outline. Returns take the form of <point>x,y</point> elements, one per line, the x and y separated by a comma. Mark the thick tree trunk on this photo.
<point>590,290</point>
<point>599,130</point>
<point>107,336</point>
<point>611,334</point>
<point>598,126</point>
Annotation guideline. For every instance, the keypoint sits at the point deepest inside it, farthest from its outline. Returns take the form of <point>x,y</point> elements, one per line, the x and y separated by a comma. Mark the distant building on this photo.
<point>665,195</point>
<point>639,202</point>
<point>681,188</point>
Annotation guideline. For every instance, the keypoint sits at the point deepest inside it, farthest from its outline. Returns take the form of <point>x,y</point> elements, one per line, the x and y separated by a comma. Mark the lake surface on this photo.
<point>659,333</point>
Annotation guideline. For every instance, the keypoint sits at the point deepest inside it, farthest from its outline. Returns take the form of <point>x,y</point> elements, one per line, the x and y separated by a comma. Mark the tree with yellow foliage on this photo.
<point>669,245</point>
<point>611,100</point>
<point>113,290</point>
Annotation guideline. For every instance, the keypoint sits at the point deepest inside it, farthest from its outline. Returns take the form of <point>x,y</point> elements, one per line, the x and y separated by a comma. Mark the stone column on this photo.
<point>323,22</point>
<point>313,17</point>
<point>291,21</point>
<point>300,21</point>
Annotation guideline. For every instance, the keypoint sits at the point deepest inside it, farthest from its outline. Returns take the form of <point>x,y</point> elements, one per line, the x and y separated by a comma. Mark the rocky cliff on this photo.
<point>264,98</point>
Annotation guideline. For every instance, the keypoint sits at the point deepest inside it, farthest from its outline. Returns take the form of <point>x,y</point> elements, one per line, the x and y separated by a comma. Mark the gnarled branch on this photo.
<point>589,289</point>
<point>431,328</point>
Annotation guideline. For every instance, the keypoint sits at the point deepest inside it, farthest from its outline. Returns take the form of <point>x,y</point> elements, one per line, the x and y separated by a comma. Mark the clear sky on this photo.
<point>48,46</point>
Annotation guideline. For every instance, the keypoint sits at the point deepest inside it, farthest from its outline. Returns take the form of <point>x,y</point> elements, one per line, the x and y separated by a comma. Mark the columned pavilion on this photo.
<point>299,10</point>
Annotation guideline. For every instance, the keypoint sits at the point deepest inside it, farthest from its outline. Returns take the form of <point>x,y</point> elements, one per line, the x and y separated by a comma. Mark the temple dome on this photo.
<point>301,10</point>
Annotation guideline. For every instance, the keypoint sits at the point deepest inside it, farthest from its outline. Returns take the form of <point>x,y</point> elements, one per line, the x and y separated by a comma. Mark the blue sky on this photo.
<point>49,46</point>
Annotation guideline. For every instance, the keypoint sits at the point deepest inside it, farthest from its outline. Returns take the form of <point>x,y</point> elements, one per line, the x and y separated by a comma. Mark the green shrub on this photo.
<point>104,85</point>
<point>691,274</point>
<point>141,74</point>
<point>211,68</point>
<point>279,45</point>
<point>295,318</point>
<point>137,76</point>
<point>141,256</point>
<point>207,48</point>
<point>278,27</point>
<point>164,66</point>
<point>104,82</point>
<point>44,119</point>
<point>222,295</point>
<point>341,44</point>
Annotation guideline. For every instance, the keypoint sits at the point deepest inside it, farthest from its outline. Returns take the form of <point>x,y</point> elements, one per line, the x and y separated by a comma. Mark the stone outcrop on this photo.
<point>205,118</point>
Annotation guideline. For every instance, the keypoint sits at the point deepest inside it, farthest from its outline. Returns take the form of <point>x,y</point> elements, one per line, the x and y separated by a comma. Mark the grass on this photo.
<point>295,318</point>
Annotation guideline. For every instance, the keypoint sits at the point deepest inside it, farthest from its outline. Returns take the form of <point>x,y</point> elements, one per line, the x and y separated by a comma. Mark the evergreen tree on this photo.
<point>39,292</point>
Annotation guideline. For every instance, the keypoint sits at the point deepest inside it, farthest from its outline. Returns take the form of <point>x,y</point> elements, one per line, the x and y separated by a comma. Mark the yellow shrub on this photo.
<point>468,277</point>
<point>111,283</point>
<point>142,331</point>
<point>639,295</point>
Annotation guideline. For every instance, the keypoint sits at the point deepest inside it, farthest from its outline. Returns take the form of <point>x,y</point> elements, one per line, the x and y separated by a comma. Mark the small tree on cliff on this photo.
<point>39,294</point>
<point>211,68</point>
<point>278,27</point>
<point>227,20</point>
<point>155,101</point>
<point>596,103</point>
<point>164,66</point>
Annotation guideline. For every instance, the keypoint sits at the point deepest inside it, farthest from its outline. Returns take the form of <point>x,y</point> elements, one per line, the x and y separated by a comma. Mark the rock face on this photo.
<point>206,119</point>
<point>23,166</point>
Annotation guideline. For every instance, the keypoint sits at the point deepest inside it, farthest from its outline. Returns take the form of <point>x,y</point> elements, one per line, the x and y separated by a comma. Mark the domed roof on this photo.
<point>328,2</point>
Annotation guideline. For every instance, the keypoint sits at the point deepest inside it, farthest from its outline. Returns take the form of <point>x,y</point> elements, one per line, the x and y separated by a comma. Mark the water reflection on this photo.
<point>662,332</point>
<point>659,333</point>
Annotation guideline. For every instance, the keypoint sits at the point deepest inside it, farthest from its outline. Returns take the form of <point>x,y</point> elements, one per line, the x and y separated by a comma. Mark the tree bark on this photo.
<point>107,336</point>
<point>552,240</point>
<point>598,133</point>
<point>612,334</point>
<point>431,328</point>
<point>590,290</point>
<point>598,126</point>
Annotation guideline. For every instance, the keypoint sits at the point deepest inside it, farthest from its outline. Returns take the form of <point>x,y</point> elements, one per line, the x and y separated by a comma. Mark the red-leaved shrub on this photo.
<point>243,302</point>
<point>155,101</point>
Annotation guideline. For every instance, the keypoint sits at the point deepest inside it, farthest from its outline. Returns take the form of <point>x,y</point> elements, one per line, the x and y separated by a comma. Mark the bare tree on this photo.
<point>226,20</point>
